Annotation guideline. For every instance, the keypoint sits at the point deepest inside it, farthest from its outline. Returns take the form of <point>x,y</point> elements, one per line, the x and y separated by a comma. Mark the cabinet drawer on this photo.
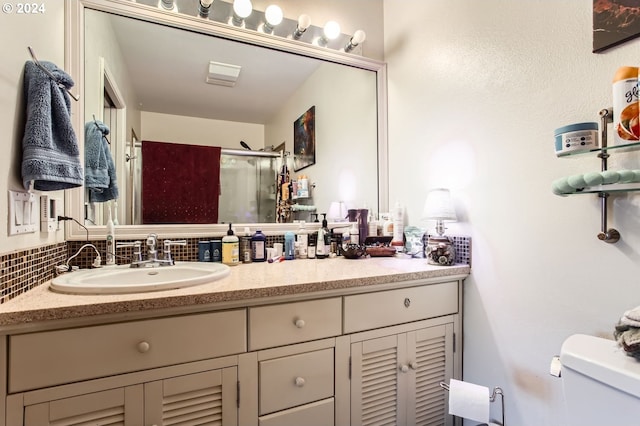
<point>288,323</point>
<point>385,308</point>
<point>317,414</point>
<point>62,356</point>
<point>295,380</point>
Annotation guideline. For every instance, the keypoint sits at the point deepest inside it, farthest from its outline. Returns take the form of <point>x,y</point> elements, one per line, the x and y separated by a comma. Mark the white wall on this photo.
<point>200,131</point>
<point>44,32</point>
<point>346,135</point>
<point>476,90</point>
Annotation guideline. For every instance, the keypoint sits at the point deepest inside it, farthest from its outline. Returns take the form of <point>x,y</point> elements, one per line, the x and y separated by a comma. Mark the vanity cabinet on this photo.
<point>345,357</point>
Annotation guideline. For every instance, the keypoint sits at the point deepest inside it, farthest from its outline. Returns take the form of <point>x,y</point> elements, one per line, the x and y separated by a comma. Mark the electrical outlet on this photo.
<point>48,214</point>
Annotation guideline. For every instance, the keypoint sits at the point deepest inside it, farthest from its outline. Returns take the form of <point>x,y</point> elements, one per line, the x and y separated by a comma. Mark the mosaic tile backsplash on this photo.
<point>22,270</point>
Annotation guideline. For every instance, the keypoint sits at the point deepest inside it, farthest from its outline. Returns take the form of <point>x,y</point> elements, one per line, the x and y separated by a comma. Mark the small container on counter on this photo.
<point>204,251</point>
<point>259,247</point>
<point>216,250</point>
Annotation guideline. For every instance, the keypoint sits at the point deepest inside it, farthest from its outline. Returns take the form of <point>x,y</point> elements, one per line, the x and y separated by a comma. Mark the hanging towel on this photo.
<point>100,173</point>
<point>50,153</point>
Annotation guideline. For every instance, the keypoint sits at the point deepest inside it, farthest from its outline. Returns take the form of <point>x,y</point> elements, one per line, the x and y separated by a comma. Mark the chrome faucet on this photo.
<point>152,259</point>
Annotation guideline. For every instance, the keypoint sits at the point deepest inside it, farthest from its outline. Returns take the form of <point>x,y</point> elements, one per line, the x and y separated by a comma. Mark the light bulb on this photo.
<point>206,3</point>
<point>358,37</point>
<point>274,15</point>
<point>242,8</point>
<point>331,30</point>
<point>304,21</point>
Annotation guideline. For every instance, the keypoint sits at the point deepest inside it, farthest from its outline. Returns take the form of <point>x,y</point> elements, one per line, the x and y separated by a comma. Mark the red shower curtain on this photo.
<point>180,183</point>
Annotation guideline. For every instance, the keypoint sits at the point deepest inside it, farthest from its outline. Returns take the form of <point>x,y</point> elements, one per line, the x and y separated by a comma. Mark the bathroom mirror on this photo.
<point>371,164</point>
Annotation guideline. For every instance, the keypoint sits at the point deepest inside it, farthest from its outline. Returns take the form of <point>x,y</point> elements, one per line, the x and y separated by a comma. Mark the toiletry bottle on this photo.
<point>110,258</point>
<point>354,236</point>
<point>245,246</point>
<point>311,249</point>
<point>230,248</point>
<point>324,240</point>
<point>259,247</point>
<point>289,245</point>
<point>303,241</point>
<point>398,227</point>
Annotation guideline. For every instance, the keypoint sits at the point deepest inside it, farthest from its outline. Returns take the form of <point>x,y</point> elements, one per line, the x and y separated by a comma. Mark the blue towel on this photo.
<point>100,173</point>
<point>50,153</point>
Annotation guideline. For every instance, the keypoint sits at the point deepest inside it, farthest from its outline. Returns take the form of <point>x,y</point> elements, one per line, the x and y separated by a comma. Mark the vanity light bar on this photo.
<point>299,29</point>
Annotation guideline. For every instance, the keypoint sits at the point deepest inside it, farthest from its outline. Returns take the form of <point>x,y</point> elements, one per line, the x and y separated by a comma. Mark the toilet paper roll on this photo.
<point>469,401</point>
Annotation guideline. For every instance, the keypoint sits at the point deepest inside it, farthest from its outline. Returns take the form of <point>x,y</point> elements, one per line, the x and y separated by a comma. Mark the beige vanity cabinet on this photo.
<point>395,370</point>
<point>151,372</point>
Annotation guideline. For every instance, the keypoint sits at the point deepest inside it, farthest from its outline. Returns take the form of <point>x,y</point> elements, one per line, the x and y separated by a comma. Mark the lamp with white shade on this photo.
<point>439,207</point>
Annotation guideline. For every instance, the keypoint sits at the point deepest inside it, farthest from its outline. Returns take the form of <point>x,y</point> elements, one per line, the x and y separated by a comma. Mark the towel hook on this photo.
<point>51,76</point>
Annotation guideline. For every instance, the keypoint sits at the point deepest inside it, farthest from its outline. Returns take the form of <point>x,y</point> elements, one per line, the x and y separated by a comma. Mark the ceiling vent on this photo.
<point>223,74</point>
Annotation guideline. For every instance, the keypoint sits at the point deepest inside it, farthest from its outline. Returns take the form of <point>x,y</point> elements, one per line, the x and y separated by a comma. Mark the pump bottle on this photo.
<point>303,241</point>
<point>230,248</point>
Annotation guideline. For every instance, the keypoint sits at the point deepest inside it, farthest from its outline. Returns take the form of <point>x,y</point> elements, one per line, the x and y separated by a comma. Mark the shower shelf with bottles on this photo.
<point>620,182</point>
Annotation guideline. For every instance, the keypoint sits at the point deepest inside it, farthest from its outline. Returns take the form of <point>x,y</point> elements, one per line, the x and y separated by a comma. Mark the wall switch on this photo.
<point>23,212</point>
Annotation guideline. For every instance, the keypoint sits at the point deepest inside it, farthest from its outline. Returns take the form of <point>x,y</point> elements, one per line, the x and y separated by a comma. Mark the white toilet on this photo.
<point>601,382</point>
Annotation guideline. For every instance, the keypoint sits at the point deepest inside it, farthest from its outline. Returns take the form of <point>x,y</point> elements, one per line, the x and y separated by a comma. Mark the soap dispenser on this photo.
<point>230,248</point>
<point>324,239</point>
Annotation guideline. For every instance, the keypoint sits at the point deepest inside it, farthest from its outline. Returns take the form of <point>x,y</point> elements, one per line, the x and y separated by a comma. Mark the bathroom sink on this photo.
<point>123,279</point>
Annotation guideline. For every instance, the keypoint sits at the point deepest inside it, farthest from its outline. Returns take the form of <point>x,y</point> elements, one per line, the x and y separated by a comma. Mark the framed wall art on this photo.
<point>614,22</point>
<point>304,140</point>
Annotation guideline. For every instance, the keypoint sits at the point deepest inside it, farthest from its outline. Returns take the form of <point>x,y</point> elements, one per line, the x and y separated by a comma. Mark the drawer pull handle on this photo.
<point>300,381</point>
<point>407,302</point>
<point>143,347</point>
<point>299,323</point>
<point>404,368</point>
<point>413,365</point>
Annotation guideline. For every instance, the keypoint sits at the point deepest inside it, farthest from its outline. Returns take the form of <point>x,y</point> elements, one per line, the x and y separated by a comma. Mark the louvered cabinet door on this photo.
<point>114,407</point>
<point>430,362</point>
<point>206,398</point>
<point>378,391</point>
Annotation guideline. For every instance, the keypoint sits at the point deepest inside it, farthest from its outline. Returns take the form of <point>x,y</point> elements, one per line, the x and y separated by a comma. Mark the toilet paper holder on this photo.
<point>494,394</point>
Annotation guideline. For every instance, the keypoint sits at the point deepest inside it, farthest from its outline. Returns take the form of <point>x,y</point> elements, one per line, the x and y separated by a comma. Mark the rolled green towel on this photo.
<point>593,178</point>
<point>561,187</point>
<point>626,176</point>
<point>610,176</point>
<point>577,181</point>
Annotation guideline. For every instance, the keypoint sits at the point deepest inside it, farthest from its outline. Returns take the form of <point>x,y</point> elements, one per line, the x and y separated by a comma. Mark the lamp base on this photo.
<point>440,251</point>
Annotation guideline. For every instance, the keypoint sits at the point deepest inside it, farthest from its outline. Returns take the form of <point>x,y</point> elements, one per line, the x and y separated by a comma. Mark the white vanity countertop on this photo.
<point>247,282</point>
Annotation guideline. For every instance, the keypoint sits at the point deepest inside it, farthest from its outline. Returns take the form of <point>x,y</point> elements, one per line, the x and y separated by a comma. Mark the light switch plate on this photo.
<point>23,212</point>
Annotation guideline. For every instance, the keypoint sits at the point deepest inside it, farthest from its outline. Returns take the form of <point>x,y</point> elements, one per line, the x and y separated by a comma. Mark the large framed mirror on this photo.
<point>115,51</point>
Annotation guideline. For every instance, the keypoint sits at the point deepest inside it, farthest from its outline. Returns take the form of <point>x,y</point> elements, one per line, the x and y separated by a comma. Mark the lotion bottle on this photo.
<point>110,258</point>
<point>230,248</point>
<point>303,241</point>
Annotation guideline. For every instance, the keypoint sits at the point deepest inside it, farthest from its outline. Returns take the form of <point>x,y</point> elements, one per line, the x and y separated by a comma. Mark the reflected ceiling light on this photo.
<point>168,4</point>
<point>273,16</point>
<point>358,37</point>
<point>241,10</point>
<point>204,7</point>
<point>304,22</point>
<point>330,32</point>
<point>223,74</point>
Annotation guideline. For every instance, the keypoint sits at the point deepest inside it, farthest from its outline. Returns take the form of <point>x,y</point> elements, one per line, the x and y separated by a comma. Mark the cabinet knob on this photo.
<point>404,368</point>
<point>299,381</point>
<point>299,322</point>
<point>413,365</point>
<point>407,302</point>
<point>143,347</point>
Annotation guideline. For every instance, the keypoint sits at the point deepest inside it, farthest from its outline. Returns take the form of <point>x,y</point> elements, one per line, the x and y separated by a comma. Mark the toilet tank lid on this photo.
<point>602,360</point>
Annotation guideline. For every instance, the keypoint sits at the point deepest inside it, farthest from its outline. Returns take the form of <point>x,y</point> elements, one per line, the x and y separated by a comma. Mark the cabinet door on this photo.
<point>378,392</point>
<point>121,406</point>
<point>430,353</point>
<point>395,380</point>
<point>209,397</point>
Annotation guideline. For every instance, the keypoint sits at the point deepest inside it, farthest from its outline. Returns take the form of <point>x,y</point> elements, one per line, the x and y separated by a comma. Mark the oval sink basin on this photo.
<point>123,279</point>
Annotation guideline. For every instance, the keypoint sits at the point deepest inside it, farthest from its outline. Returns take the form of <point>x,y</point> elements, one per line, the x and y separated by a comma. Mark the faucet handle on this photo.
<point>167,249</point>
<point>137,245</point>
